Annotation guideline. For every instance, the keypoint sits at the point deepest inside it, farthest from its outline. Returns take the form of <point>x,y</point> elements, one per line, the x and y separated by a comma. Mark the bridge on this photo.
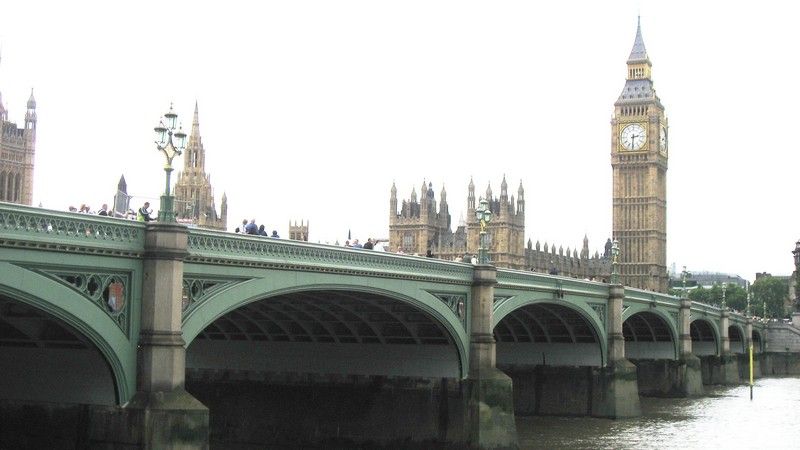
<point>157,335</point>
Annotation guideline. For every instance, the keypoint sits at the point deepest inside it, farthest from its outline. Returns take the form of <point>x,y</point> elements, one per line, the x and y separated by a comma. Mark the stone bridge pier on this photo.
<point>723,368</point>
<point>161,414</point>
<point>490,409</point>
<point>617,393</point>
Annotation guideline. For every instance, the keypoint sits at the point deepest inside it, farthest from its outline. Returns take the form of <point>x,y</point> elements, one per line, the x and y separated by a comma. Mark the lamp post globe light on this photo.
<point>484,216</point>
<point>796,253</point>
<point>684,275</point>
<point>615,262</point>
<point>171,143</point>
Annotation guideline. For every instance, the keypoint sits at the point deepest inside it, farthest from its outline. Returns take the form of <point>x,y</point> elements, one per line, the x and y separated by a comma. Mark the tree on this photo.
<point>772,291</point>
<point>735,296</point>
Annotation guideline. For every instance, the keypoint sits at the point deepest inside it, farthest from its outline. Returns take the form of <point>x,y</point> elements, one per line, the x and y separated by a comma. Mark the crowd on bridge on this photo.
<point>255,230</point>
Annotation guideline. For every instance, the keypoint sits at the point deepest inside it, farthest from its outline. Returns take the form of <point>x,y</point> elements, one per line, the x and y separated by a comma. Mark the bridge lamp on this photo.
<point>615,262</point>
<point>796,253</point>
<point>171,143</point>
<point>684,275</point>
<point>484,216</point>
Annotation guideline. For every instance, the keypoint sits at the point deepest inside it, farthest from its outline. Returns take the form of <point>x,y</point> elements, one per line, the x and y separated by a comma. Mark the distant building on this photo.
<point>417,226</point>
<point>194,196</point>
<point>298,232</point>
<point>17,149</point>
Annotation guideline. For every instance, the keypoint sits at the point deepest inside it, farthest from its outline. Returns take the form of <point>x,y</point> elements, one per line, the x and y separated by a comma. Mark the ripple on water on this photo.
<point>725,418</point>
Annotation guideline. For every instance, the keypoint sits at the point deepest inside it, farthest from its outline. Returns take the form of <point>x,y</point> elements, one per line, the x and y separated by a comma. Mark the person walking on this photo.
<point>103,210</point>
<point>369,245</point>
<point>262,231</point>
<point>275,234</point>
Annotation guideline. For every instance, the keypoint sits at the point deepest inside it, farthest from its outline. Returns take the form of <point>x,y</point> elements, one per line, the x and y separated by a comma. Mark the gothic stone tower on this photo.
<point>194,197</point>
<point>505,234</point>
<point>639,163</point>
<point>17,148</point>
<point>417,227</point>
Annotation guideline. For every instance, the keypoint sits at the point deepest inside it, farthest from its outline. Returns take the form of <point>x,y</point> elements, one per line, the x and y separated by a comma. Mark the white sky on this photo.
<point>310,109</point>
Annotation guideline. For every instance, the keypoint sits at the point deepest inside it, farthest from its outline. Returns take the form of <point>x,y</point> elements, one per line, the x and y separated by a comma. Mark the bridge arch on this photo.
<point>277,288</point>
<point>649,333</point>
<point>758,342</point>
<point>736,338</point>
<point>553,332</point>
<point>68,313</point>
<point>705,337</point>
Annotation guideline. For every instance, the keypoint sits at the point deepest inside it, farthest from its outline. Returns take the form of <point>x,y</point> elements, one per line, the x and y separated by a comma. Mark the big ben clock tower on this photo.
<point>639,147</point>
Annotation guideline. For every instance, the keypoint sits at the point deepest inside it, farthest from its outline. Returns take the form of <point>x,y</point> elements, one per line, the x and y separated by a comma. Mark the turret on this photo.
<point>393,202</point>
<point>503,190</point>
<point>585,249</point>
<point>521,200</point>
<point>3,112</point>
<point>223,209</point>
<point>30,115</point>
<point>471,197</point>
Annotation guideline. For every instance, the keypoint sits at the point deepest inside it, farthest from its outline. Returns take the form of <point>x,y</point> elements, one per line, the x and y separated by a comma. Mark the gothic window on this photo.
<point>408,241</point>
<point>2,186</point>
<point>17,193</point>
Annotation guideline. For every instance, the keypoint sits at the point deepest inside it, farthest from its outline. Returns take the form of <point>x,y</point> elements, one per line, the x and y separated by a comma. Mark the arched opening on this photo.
<point>546,334</point>
<point>758,343</point>
<point>314,365</point>
<point>736,339</point>
<point>2,186</point>
<point>553,355</point>
<point>648,336</point>
<point>47,360</point>
<point>704,340</point>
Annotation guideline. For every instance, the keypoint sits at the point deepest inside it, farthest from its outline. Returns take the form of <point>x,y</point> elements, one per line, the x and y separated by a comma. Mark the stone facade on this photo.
<point>194,196</point>
<point>639,161</point>
<point>416,226</point>
<point>298,232</point>
<point>17,149</point>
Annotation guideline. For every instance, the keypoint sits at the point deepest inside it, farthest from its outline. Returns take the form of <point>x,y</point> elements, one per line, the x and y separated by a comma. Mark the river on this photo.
<point>724,418</point>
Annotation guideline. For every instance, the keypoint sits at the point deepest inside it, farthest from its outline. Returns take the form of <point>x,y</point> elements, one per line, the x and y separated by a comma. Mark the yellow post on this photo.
<point>751,369</point>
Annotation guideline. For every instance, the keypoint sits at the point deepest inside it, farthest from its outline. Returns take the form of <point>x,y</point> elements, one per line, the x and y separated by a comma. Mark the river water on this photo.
<point>725,418</point>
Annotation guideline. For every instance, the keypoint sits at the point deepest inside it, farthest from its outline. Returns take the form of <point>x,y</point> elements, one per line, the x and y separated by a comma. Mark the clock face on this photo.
<point>662,141</point>
<point>633,137</point>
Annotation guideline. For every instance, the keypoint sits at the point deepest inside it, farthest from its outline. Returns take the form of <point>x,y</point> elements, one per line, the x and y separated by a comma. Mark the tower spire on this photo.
<point>196,121</point>
<point>638,52</point>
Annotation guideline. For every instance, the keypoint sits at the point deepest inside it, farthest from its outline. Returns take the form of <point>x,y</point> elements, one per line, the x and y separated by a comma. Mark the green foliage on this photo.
<point>772,291</point>
<point>735,296</point>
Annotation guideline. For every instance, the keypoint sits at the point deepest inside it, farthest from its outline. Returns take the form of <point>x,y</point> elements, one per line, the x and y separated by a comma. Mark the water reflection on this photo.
<point>724,418</point>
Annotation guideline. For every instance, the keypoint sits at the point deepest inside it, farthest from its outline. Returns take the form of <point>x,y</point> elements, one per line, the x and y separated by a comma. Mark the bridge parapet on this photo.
<point>221,248</point>
<point>558,286</point>
<point>36,228</point>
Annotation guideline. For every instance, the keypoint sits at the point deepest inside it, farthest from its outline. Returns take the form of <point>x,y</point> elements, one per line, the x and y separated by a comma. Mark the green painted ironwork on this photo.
<point>41,229</point>
<point>96,287</point>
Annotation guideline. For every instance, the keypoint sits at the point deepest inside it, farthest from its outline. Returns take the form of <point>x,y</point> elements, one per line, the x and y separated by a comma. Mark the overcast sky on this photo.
<point>310,110</point>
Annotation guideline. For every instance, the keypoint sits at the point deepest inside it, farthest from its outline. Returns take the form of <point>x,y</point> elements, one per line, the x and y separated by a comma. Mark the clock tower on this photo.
<point>639,155</point>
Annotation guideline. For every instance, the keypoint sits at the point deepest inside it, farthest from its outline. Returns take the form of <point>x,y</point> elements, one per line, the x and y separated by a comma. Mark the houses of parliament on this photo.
<point>639,155</point>
<point>17,151</point>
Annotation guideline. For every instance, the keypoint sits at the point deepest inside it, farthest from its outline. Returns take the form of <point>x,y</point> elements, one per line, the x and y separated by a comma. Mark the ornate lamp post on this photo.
<point>684,276</point>
<point>615,262</point>
<point>747,309</point>
<point>724,305</point>
<point>796,253</point>
<point>171,143</point>
<point>484,216</point>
